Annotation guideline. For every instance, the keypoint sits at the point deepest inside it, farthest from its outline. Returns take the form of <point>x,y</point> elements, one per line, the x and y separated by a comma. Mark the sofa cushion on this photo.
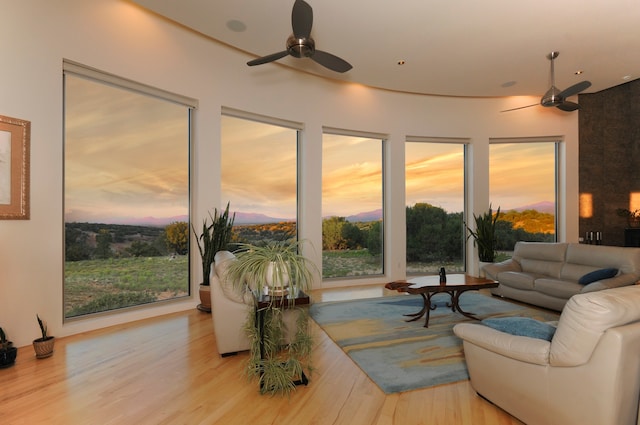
<point>596,275</point>
<point>522,326</point>
<point>557,288</point>
<point>625,259</point>
<point>517,280</point>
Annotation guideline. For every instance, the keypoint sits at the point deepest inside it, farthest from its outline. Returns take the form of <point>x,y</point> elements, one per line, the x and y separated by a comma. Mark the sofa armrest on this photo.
<point>492,270</point>
<point>522,348</point>
<point>614,282</point>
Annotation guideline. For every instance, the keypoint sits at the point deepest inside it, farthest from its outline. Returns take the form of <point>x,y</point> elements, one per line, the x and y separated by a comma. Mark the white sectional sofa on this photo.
<point>548,274</point>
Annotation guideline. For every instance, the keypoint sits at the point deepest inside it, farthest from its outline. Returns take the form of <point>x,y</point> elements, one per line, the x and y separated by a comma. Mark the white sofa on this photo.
<point>547,274</point>
<point>588,374</point>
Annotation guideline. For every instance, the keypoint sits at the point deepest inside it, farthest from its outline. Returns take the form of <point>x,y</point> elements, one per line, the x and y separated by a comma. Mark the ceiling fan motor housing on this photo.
<point>300,47</point>
<point>551,97</point>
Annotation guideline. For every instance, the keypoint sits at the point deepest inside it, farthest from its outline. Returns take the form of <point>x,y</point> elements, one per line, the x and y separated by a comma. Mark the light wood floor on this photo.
<point>167,371</point>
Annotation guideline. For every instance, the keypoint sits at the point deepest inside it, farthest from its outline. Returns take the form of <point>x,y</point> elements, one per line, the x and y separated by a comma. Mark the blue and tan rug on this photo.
<point>401,356</point>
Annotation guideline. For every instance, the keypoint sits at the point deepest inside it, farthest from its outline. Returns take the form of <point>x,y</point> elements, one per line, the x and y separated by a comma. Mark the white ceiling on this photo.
<point>450,47</point>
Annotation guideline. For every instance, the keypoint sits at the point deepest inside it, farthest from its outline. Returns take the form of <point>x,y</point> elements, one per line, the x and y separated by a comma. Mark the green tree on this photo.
<point>332,238</point>
<point>426,226</point>
<point>76,246</point>
<point>103,244</point>
<point>353,236</point>
<point>374,239</point>
<point>178,237</point>
<point>142,249</point>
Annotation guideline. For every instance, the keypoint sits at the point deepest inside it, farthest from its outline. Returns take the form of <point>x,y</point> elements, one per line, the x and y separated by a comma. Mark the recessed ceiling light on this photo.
<point>401,62</point>
<point>236,26</point>
<point>626,77</point>
<point>508,84</point>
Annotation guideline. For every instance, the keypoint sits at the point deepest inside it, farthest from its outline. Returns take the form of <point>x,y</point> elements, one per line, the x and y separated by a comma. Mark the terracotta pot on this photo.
<point>205,298</point>
<point>44,347</point>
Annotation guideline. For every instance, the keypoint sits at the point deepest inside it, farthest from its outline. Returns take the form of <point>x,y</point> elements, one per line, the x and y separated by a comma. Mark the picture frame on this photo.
<point>14,168</point>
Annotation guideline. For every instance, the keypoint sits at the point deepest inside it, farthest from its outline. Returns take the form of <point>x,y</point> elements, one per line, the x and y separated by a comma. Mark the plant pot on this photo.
<point>8,357</point>
<point>43,347</point>
<point>205,298</point>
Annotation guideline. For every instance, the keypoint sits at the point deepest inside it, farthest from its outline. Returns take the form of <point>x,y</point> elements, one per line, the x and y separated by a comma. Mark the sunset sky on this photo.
<point>126,156</point>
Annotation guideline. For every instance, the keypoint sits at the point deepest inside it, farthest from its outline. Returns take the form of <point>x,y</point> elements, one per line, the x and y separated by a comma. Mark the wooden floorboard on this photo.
<point>166,371</point>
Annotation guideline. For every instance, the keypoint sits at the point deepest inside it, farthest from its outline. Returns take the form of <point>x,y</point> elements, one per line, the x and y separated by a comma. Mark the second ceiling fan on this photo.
<point>301,45</point>
<point>555,97</point>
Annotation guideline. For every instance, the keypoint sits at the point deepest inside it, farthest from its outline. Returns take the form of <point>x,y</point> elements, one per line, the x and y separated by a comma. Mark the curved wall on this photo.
<point>117,37</point>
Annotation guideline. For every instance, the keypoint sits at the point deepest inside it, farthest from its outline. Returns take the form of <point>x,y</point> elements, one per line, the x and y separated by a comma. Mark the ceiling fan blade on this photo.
<point>301,19</point>
<point>268,58</point>
<point>330,61</point>
<point>568,106</point>
<point>575,89</point>
<point>520,107</point>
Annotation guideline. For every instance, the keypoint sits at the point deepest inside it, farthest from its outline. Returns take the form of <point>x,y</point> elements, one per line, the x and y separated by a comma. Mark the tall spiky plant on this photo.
<point>214,237</point>
<point>484,235</point>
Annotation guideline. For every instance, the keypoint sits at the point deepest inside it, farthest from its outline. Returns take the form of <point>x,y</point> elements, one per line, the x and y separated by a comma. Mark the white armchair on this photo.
<point>229,308</point>
<point>589,373</point>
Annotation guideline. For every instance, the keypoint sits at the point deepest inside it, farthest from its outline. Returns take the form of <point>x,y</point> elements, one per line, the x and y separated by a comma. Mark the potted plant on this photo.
<point>8,352</point>
<point>43,346</point>
<point>484,235</point>
<point>214,237</point>
<point>633,217</point>
<point>280,270</point>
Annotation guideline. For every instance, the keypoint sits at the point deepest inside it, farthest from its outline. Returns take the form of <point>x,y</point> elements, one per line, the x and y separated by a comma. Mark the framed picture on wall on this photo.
<point>14,168</point>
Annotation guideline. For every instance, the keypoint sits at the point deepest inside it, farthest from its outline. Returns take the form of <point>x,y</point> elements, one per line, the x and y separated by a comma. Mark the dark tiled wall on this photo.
<point>609,134</point>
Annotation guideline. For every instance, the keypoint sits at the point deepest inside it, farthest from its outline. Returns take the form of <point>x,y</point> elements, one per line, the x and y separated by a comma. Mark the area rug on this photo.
<point>402,356</point>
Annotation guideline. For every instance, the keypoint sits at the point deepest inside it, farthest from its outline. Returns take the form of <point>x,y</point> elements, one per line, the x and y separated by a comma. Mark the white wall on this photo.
<point>117,37</point>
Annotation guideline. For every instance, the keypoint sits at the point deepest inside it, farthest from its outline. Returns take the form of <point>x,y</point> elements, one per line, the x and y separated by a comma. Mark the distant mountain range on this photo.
<point>543,207</point>
<point>255,218</point>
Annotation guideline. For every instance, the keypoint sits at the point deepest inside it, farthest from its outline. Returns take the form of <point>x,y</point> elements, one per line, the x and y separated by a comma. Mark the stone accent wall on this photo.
<point>609,135</point>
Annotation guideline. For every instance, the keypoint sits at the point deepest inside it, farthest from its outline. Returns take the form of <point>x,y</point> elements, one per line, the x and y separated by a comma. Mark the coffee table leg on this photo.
<point>426,309</point>
<point>416,316</point>
<point>455,301</point>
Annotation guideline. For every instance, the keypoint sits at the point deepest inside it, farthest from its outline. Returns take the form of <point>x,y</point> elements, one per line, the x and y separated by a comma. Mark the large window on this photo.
<point>352,205</point>
<point>126,194</point>
<point>435,193</point>
<point>259,178</point>
<point>523,180</point>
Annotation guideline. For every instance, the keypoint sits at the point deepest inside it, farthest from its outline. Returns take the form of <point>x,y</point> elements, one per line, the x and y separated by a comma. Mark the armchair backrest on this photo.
<point>586,317</point>
<point>222,261</point>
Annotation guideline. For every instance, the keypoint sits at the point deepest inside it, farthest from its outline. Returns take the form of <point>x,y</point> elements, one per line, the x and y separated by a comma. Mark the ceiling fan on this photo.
<point>301,45</point>
<point>555,97</point>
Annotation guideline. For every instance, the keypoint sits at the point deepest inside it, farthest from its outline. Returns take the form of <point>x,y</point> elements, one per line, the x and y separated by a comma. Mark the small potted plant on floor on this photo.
<point>484,235</point>
<point>214,237</point>
<point>43,346</point>
<point>8,352</point>
<point>280,270</point>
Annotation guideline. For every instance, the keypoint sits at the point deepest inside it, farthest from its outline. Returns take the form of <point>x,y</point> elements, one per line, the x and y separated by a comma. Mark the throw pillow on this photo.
<point>596,275</point>
<point>522,326</point>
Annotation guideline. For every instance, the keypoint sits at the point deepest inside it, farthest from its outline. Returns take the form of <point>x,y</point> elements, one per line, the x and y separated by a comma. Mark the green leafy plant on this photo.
<point>274,261</point>
<point>633,217</point>
<point>484,235</point>
<point>214,237</point>
<point>4,343</point>
<point>43,330</point>
<point>275,362</point>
